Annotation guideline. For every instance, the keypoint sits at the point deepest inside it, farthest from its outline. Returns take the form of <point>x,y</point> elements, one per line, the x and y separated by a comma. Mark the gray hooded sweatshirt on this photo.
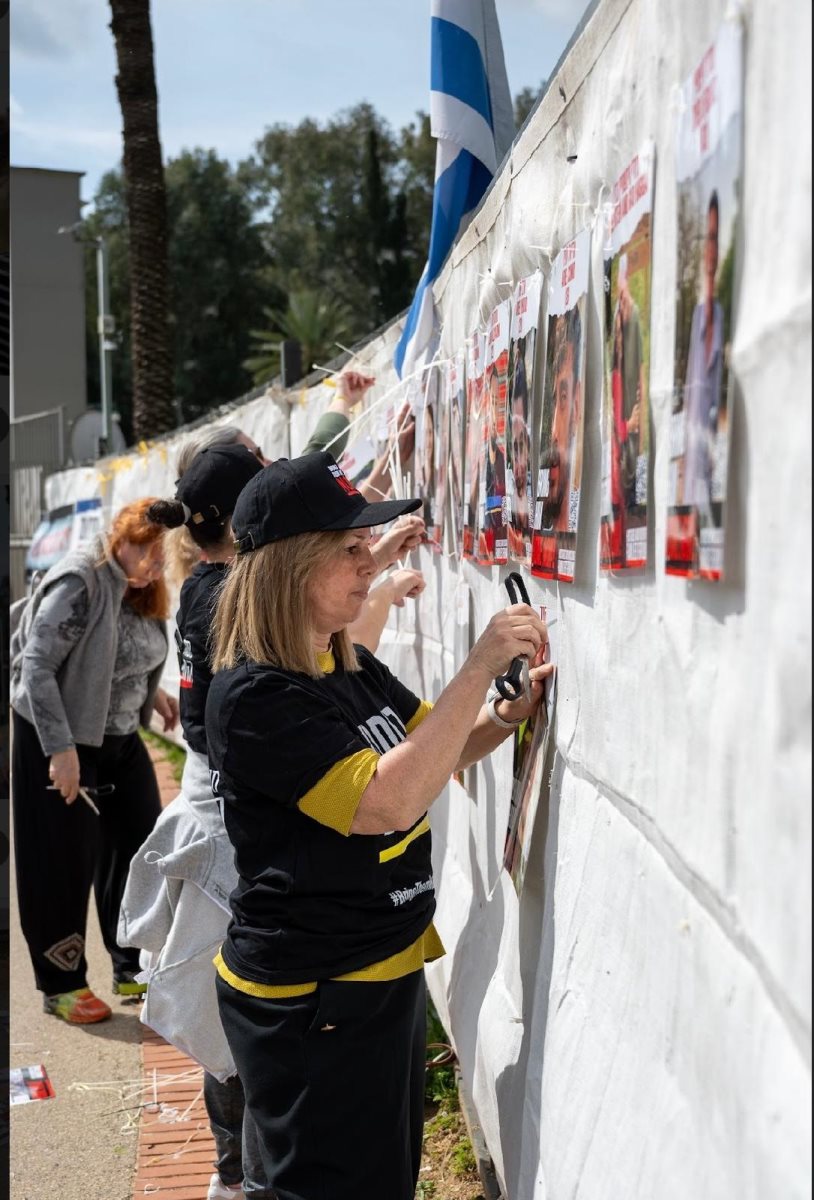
<point>176,911</point>
<point>63,648</point>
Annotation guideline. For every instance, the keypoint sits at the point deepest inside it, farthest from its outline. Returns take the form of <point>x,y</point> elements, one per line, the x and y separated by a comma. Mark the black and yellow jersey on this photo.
<point>290,758</point>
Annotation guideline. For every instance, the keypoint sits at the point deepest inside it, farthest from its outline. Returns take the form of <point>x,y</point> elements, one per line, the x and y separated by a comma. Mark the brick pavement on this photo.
<point>176,1151</point>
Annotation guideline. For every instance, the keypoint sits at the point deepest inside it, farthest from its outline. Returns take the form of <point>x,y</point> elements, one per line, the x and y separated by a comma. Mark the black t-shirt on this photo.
<point>194,622</point>
<point>312,903</point>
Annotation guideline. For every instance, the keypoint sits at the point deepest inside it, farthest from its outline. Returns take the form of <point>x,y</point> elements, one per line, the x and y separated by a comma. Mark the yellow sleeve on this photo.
<point>334,800</point>
<point>423,710</point>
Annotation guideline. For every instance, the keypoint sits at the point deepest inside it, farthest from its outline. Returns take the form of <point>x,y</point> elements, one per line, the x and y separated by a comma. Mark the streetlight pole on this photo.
<point>105,325</point>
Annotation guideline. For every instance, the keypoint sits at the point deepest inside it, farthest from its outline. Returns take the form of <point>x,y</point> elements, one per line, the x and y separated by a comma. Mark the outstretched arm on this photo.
<point>411,776</point>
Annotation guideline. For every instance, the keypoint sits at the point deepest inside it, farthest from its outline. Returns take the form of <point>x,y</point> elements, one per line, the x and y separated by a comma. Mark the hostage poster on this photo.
<point>708,173</point>
<point>456,400</point>
<point>625,398</point>
<point>492,542</point>
<point>427,453</point>
<point>520,416</point>
<point>530,754</point>
<point>474,441</point>
<point>559,474</point>
<point>435,535</point>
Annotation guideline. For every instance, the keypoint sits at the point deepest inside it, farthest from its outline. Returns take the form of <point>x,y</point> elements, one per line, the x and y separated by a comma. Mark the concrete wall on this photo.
<point>47,294</point>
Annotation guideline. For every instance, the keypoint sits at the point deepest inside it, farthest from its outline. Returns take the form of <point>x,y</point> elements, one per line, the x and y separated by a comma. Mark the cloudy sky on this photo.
<point>228,68</point>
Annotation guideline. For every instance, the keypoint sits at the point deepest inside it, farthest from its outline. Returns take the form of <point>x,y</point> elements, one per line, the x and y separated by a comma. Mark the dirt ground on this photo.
<point>448,1168</point>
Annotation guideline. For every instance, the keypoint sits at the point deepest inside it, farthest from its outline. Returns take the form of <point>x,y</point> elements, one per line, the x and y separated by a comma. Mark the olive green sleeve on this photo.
<point>331,434</point>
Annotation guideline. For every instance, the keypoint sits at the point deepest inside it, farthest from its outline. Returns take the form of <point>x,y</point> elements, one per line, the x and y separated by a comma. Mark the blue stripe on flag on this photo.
<point>457,191</point>
<point>457,67</point>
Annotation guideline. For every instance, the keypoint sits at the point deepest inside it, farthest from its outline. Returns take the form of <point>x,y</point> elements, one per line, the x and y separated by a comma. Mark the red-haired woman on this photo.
<point>87,653</point>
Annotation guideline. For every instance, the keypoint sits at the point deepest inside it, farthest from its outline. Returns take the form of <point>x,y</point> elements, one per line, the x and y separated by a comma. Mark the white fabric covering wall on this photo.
<point>639,1024</point>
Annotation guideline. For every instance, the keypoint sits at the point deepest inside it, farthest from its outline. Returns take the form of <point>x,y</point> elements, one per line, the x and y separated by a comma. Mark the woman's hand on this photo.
<point>517,710</point>
<point>405,433</point>
<point>515,631</point>
<point>63,772</point>
<point>353,386</point>
<point>167,708</point>
<point>404,536</point>
<point>407,584</point>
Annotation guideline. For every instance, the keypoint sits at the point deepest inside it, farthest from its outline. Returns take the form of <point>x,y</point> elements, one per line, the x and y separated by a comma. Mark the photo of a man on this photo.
<point>473,456</point>
<point>525,321</point>
<point>709,167</point>
<point>492,543</point>
<point>559,463</point>
<point>495,461</point>
<point>520,458</point>
<point>426,472</point>
<point>702,385</point>
<point>560,449</point>
<point>457,404</point>
<point>627,396</point>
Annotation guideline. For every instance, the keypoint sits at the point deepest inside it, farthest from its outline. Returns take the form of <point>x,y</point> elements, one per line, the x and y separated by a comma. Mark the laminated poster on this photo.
<point>625,398</point>
<point>520,418</point>
<point>29,1083</point>
<point>559,474</point>
<point>358,459</point>
<point>530,754</point>
<point>708,174</point>
<point>436,534</point>
<point>492,540</point>
<point>456,399</point>
<point>426,454</point>
<point>474,441</point>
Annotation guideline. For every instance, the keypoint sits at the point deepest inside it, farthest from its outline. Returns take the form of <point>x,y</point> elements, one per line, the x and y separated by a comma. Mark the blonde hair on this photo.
<point>262,611</point>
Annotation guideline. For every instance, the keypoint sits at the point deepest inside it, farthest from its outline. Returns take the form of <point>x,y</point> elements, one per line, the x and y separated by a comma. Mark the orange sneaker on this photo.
<point>77,1008</point>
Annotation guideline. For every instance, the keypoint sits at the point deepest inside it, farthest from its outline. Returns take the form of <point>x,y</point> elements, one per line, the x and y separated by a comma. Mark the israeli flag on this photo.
<point>471,116</point>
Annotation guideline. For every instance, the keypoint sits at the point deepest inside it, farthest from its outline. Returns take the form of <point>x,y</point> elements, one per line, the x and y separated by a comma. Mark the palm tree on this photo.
<point>153,408</point>
<point>311,319</point>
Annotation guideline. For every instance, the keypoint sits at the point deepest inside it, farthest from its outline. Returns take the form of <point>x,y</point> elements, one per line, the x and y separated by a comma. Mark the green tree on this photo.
<point>219,276</point>
<point>220,280</point>
<point>313,319</point>
<point>346,212</point>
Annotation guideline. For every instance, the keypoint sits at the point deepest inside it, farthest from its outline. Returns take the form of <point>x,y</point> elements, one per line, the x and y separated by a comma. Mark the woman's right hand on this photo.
<point>407,584</point>
<point>515,631</point>
<point>64,774</point>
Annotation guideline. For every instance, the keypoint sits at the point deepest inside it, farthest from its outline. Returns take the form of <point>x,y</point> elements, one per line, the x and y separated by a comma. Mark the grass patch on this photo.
<point>440,1087</point>
<point>168,750</point>
<point>450,1169</point>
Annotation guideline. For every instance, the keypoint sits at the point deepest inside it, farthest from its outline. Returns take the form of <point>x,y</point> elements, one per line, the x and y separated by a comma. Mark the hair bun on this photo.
<point>170,513</point>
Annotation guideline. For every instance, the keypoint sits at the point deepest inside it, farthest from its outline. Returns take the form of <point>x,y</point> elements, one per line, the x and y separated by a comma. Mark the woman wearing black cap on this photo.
<point>181,878</point>
<point>326,766</point>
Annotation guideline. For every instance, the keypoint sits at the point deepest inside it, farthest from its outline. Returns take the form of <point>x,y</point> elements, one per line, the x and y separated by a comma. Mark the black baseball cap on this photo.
<point>310,494</point>
<point>214,480</point>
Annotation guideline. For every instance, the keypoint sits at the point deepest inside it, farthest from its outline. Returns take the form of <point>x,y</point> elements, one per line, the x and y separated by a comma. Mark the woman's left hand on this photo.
<point>539,671</point>
<point>167,708</point>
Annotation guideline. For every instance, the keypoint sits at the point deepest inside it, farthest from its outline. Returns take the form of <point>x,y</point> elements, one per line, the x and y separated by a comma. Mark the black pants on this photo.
<point>237,1153</point>
<point>62,849</point>
<point>334,1082</point>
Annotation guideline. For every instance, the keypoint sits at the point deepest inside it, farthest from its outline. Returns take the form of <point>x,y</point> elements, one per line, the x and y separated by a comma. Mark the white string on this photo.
<point>399,386</point>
